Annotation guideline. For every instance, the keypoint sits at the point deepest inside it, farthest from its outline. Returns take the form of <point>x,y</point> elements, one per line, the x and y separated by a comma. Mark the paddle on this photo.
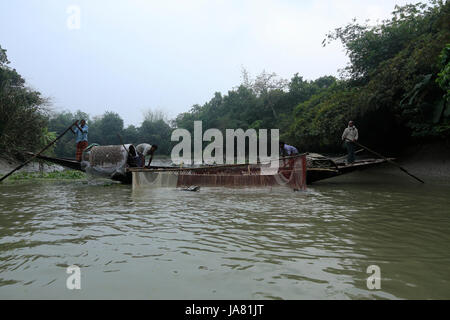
<point>37,154</point>
<point>388,160</point>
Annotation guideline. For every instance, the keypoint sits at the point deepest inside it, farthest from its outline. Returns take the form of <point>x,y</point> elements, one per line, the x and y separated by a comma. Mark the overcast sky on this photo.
<point>134,55</point>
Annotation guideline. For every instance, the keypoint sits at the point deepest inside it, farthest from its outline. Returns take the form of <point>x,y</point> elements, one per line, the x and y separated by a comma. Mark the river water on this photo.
<point>224,243</point>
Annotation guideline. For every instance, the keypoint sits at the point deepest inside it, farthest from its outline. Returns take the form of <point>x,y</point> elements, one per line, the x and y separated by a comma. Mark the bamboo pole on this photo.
<point>387,159</point>
<point>37,154</point>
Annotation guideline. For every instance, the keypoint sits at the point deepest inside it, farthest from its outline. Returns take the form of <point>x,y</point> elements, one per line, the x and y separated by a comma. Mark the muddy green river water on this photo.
<point>223,243</point>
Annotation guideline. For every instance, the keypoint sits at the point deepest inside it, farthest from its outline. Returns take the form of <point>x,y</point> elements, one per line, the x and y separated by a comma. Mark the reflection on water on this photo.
<point>226,243</point>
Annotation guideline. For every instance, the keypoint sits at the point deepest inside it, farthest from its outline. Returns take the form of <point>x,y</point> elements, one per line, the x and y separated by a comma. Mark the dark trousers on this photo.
<point>351,151</point>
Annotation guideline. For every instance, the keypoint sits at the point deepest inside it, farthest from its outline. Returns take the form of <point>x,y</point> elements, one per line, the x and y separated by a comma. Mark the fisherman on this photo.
<point>81,140</point>
<point>287,150</point>
<point>146,149</point>
<point>350,135</point>
<point>135,159</point>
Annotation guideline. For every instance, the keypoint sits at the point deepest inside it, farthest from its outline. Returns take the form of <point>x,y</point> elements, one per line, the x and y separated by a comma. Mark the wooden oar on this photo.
<point>37,154</point>
<point>388,160</point>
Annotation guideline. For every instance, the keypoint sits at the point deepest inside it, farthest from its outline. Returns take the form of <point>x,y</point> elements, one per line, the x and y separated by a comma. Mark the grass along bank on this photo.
<point>55,175</point>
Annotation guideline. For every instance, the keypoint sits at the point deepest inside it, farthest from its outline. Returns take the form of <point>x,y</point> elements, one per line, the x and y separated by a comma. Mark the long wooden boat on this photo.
<point>111,162</point>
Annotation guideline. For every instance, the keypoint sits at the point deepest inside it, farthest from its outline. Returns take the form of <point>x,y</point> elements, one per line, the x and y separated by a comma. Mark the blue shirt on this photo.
<point>290,150</point>
<point>81,135</point>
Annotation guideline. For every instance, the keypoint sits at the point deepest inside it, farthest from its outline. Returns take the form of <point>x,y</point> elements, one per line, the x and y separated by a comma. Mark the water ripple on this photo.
<point>236,243</point>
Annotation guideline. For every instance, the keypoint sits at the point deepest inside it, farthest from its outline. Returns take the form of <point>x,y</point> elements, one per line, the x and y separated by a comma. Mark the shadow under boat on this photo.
<point>112,162</point>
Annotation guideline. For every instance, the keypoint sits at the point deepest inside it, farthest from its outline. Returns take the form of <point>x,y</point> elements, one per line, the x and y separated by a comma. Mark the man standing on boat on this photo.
<point>350,135</point>
<point>81,139</point>
<point>146,149</point>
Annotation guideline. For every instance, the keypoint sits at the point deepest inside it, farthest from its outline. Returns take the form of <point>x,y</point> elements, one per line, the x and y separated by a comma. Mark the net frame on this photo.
<point>291,172</point>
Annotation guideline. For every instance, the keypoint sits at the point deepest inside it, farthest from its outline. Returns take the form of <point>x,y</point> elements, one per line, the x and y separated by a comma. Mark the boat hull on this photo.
<point>213,178</point>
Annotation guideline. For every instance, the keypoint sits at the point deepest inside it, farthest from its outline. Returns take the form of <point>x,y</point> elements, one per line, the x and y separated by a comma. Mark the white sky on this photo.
<point>134,55</point>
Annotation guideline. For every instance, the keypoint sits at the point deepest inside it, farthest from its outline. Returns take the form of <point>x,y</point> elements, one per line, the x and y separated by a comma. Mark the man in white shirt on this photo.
<point>350,135</point>
<point>287,150</point>
<point>147,150</point>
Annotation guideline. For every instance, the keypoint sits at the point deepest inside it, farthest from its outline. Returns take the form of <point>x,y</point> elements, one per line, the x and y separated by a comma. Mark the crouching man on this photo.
<point>145,150</point>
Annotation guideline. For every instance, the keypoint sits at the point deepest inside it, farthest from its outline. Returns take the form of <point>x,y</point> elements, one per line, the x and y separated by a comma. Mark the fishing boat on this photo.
<point>295,172</point>
<point>322,168</point>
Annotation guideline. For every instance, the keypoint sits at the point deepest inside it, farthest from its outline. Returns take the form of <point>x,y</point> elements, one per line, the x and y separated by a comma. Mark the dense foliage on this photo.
<point>264,103</point>
<point>391,91</point>
<point>396,88</point>
<point>22,113</point>
<point>109,130</point>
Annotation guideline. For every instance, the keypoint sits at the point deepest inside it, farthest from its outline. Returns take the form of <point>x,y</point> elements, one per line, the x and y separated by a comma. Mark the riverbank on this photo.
<point>55,175</point>
<point>38,171</point>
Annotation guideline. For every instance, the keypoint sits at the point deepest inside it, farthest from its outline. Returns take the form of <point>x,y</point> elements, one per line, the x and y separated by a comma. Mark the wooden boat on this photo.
<point>111,162</point>
<point>322,168</point>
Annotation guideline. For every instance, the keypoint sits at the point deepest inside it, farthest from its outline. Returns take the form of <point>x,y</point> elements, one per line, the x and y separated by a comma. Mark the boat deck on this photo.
<point>315,174</point>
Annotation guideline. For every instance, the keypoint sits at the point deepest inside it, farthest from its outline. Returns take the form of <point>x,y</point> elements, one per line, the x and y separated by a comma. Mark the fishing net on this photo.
<point>291,173</point>
<point>155,179</point>
<point>315,160</point>
<point>106,161</point>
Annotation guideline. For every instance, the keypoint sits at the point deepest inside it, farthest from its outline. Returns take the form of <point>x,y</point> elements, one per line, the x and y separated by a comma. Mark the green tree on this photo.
<point>389,89</point>
<point>156,131</point>
<point>368,46</point>
<point>22,112</point>
<point>57,123</point>
<point>104,130</point>
<point>443,78</point>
